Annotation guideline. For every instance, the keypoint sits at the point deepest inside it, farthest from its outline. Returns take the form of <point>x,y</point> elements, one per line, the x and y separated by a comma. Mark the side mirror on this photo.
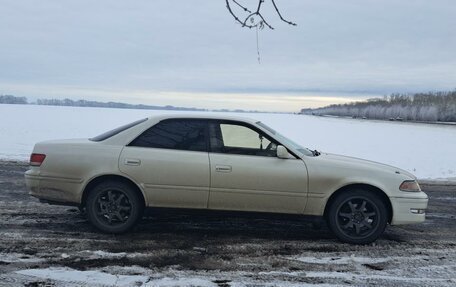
<point>282,152</point>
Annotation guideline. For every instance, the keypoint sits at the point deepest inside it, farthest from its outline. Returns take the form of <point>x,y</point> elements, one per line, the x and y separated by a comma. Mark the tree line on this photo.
<point>9,99</point>
<point>431,106</point>
<point>85,103</point>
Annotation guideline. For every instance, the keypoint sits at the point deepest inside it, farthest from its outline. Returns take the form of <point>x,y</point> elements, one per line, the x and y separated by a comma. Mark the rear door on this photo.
<point>247,175</point>
<point>170,160</point>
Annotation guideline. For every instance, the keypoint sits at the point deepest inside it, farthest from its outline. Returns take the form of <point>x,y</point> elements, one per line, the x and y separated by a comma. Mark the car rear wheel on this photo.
<point>114,207</point>
<point>357,216</point>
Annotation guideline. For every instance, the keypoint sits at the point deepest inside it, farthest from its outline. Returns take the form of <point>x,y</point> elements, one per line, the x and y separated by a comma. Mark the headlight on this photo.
<point>410,185</point>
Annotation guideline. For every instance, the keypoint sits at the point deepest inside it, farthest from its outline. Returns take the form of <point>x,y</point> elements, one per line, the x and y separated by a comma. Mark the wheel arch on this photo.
<point>368,187</point>
<point>111,177</point>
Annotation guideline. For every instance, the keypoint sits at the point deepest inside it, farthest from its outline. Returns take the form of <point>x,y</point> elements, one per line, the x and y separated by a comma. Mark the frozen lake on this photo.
<point>428,151</point>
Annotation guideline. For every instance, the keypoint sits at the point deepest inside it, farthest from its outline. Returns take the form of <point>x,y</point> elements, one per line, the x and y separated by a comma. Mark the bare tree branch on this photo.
<point>234,16</point>
<point>259,5</point>
<point>244,8</point>
<point>280,15</point>
<point>257,14</point>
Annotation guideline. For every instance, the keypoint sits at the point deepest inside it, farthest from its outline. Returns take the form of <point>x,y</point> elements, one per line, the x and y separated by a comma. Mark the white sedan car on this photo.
<point>220,163</point>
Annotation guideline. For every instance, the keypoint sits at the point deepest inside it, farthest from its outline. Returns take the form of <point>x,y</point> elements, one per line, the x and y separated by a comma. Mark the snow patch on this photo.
<point>340,260</point>
<point>18,257</point>
<point>353,276</point>
<point>183,282</point>
<point>85,277</point>
<point>349,275</point>
<point>95,277</point>
<point>352,259</point>
<point>100,254</point>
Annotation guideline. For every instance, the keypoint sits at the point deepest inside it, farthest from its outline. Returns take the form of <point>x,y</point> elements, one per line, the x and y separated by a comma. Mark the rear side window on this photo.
<point>115,131</point>
<point>179,134</point>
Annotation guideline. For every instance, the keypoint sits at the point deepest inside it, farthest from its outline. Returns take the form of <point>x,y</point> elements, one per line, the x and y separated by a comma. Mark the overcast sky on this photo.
<point>192,53</point>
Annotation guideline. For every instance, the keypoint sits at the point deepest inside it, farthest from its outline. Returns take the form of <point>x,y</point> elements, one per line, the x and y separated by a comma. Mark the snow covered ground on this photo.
<point>48,245</point>
<point>428,151</point>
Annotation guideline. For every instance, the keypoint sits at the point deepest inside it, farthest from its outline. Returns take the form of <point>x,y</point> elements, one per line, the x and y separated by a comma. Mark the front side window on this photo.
<point>181,134</point>
<point>241,139</point>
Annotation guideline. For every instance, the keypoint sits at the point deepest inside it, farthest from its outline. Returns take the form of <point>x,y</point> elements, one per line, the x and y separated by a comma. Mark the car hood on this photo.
<point>353,161</point>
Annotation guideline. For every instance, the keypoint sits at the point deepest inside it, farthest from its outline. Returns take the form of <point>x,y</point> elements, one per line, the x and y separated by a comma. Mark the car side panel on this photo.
<point>328,174</point>
<point>170,178</point>
<point>257,183</point>
<point>69,167</point>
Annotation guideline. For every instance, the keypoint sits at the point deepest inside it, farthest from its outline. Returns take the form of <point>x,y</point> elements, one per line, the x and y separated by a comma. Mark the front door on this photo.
<point>247,175</point>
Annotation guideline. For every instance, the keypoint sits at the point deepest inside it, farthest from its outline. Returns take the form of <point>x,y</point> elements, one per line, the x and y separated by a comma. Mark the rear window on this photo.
<point>115,131</point>
<point>182,134</point>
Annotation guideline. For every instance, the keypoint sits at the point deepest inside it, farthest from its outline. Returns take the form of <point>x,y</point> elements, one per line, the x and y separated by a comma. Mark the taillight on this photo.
<point>36,159</point>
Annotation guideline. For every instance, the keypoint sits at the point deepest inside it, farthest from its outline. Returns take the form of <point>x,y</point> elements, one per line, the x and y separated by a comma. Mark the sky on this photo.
<point>193,53</point>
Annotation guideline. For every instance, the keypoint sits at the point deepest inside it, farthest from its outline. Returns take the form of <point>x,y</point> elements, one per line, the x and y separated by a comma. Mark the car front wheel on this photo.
<point>114,207</point>
<point>357,216</point>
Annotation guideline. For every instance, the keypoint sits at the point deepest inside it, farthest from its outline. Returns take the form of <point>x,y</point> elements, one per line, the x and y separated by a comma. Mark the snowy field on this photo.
<point>428,151</point>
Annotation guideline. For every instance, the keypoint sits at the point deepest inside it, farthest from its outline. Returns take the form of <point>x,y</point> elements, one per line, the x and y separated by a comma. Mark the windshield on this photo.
<point>288,142</point>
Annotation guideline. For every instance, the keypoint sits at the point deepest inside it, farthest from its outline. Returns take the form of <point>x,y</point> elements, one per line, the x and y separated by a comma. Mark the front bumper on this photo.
<point>405,209</point>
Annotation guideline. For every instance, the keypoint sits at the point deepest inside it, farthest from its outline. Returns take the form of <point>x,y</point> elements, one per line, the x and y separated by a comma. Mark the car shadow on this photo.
<point>231,224</point>
<point>193,226</point>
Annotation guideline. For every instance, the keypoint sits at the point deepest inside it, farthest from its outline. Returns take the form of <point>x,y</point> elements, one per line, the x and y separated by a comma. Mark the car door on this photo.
<point>247,175</point>
<point>171,162</point>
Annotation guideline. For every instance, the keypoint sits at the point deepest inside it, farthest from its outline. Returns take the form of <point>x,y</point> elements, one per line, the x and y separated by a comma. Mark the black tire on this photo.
<point>114,206</point>
<point>357,216</point>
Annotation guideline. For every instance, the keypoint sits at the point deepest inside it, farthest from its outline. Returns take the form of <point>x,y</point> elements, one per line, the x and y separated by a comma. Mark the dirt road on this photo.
<point>43,245</point>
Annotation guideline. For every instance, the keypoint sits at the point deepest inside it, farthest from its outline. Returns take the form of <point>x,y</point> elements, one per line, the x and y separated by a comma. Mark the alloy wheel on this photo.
<point>113,207</point>
<point>357,217</point>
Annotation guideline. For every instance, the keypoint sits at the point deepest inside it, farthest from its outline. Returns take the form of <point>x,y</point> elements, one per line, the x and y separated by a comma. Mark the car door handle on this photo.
<point>132,161</point>
<point>223,168</point>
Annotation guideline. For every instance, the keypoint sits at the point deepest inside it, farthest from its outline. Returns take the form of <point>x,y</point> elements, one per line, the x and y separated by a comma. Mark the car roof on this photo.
<point>212,116</point>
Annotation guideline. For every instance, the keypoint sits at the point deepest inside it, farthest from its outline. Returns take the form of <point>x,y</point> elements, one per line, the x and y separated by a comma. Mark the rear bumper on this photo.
<point>405,210</point>
<point>57,190</point>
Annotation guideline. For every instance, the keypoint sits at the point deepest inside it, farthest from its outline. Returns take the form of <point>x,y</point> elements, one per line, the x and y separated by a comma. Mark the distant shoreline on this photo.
<point>177,109</point>
<point>385,120</point>
<point>430,107</point>
<point>13,100</point>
